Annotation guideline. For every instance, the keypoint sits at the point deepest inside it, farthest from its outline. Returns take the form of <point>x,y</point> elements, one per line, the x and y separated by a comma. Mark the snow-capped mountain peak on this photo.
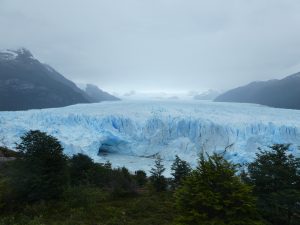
<point>12,54</point>
<point>8,54</point>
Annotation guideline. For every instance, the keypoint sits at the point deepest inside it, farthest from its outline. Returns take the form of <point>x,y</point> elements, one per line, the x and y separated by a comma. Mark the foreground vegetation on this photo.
<point>43,186</point>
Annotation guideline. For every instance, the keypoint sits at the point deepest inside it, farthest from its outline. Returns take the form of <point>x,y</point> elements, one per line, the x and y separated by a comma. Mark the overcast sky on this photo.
<point>153,45</point>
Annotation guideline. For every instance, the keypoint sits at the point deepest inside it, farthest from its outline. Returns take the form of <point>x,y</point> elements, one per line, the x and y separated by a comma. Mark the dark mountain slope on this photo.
<point>283,93</point>
<point>97,95</point>
<point>26,83</point>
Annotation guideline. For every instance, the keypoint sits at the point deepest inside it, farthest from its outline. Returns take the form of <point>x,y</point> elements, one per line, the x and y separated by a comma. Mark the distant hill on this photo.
<point>284,93</point>
<point>26,83</point>
<point>97,95</point>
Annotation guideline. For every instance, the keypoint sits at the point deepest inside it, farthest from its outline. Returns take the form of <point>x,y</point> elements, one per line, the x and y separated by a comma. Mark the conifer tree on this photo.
<point>214,195</point>
<point>157,178</point>
<point>276,180</point>
<point>140,177</point>
<point>181,169</point>
<point>41,171</point>
<point>81,167</point>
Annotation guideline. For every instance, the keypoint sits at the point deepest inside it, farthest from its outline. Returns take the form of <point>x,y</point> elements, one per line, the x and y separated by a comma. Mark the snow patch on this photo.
<point>12,54</point>
<point>7,54</point>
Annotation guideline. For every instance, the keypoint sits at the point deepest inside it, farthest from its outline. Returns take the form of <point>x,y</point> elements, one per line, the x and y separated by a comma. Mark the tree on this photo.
<point>108,165</point>
<point>121,183</point>
<point>140,177</point>
<point>157,178</point>
<point>100,175</point>
<point>276,180</point>
<point>41,171</point>
<point>181,169</point>
<point>81,167</point>
<point>214,195</point>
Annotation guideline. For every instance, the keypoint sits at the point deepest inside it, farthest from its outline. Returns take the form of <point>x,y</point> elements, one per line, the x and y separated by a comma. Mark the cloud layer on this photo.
<point>168,45</point>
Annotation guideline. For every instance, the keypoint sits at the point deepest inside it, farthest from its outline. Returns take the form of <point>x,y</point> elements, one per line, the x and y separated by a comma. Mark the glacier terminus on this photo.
<point>132,133</point>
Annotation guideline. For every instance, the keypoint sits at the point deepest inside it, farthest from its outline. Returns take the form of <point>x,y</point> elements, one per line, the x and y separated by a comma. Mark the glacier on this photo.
<point>132,133</point>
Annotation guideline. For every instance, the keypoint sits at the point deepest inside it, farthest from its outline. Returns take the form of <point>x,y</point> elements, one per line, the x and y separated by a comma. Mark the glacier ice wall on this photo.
<point>144,129</point>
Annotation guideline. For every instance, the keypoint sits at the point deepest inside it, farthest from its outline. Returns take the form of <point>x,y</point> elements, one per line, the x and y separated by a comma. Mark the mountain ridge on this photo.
<point>26,83</point>
<point>278,93</point>
<point>96,94</point>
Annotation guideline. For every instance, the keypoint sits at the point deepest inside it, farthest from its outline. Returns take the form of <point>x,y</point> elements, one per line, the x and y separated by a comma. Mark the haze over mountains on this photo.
<point>26,83</point>
<point>284,93</point>
<point>207,95</point>
<point>98,95</point>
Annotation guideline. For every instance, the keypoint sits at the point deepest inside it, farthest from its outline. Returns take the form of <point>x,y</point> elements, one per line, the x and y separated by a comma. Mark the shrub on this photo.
<point>276,179</point>
<point>213,194</point>
<point>140,177</point>
<point>41,171</point>
<point>81,167</point>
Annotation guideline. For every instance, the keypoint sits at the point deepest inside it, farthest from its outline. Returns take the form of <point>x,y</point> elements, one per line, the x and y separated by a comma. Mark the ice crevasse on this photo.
<point>143,129</point>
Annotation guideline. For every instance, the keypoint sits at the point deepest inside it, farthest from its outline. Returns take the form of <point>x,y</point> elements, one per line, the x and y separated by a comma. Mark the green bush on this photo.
<point>275,175</point>
<point>214,195</point>
<point>84,197</point>
<point>122,183</point>
<point>140,177</point>
<point>41,171</point>
<point>81,169</point>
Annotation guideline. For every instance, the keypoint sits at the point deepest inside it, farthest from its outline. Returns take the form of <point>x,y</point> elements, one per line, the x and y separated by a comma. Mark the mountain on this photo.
<point>284,93</point>
<point>207,95</point>
<point>26,83</point>
<point>97,95</point>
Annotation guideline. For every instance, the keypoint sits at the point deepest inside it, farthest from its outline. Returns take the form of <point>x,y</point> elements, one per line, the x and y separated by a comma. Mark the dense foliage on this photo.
<point>41,171</point>
<point>42,186</point>
<point>276,180</point>
<point>180,170</point>
<point>140,177</point>
<point>214,194</point>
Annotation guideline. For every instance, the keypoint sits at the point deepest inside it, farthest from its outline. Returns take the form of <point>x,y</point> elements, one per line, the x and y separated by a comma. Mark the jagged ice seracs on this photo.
<point>132,133</point>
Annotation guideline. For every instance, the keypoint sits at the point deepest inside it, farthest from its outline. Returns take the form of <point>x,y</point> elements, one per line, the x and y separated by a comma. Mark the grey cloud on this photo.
<point>159,44</point>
